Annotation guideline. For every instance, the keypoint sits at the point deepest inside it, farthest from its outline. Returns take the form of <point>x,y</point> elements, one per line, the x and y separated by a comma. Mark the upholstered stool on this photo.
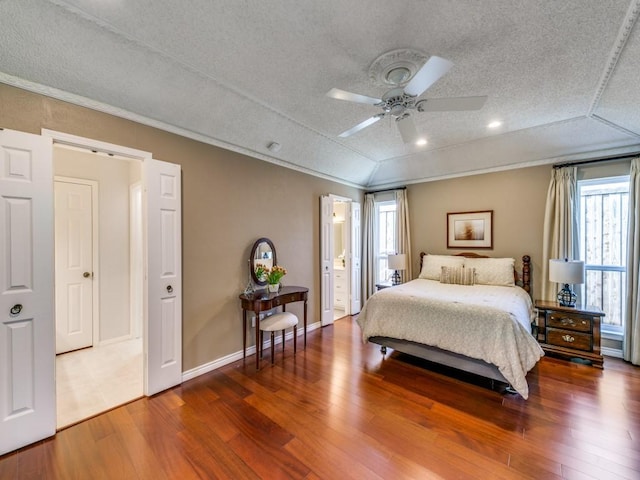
<point>279,321</point>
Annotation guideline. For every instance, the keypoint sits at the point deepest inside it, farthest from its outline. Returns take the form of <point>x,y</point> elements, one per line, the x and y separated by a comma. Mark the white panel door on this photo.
<point>163,328</point>
<point>355,278</point>
<point>326,260</point>
<point>73,265</point>
<point>27,356</point>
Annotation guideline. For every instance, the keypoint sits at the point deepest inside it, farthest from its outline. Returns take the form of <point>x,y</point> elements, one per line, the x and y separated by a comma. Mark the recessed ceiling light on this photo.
<point>421,141</point>
<point>495,124</point>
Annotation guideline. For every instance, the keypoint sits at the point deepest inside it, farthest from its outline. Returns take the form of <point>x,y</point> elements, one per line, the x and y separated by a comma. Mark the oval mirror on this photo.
<point>262,253</point>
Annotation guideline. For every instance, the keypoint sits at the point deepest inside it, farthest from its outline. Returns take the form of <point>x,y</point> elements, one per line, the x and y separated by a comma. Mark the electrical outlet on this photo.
<point>262,317</point>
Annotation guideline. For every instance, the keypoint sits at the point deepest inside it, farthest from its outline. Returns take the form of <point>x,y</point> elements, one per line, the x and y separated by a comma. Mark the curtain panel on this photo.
<point>560,234</point>
<point>631,341</point>
<point>403,233</point>
<point>368,246</point>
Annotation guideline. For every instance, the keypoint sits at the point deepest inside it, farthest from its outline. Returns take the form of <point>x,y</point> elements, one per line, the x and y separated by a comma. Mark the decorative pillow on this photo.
<point>458,275</point>
<point>432,265</point>
<point>492,271</point>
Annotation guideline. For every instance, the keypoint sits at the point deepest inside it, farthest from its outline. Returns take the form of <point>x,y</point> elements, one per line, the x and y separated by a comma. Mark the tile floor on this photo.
<point>96,379</point>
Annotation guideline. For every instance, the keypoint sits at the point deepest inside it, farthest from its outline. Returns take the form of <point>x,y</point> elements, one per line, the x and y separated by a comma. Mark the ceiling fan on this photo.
<point>398,101</point>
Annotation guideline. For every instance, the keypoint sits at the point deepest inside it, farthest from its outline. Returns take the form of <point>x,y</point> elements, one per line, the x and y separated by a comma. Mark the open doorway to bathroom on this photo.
<point>340,282</point>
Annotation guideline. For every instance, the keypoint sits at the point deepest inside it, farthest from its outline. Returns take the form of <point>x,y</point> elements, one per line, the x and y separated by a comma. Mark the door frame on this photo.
<point>95,245</point>
<point>127,153</point>
<point>136,329</point>
<point>348,226</point>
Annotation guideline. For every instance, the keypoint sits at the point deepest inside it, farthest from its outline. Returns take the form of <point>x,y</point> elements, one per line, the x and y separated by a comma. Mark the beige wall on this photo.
<point>517,198</point>
<point>229,200</point>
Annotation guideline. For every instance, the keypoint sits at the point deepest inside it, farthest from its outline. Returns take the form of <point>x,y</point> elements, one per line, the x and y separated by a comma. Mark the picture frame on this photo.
<point>470,229</point>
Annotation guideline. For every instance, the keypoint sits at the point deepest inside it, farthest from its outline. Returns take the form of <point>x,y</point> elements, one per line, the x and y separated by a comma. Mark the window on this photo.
<point>604,205</point>
<point>385,229</point>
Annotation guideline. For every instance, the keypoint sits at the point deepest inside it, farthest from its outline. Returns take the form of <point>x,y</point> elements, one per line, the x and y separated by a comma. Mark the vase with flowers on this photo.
<point>273,277</point>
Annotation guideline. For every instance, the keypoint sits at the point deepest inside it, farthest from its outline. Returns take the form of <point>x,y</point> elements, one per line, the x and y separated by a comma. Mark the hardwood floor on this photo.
<point>338,410</point>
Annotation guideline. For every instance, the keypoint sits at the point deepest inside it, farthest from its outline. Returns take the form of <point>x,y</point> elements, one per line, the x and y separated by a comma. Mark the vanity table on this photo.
<point>261,301</point>
<point>263,253</point>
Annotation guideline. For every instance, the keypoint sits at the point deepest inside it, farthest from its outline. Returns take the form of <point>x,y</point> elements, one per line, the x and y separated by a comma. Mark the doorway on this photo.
<point>340,247</point>
<point>27,326</point>
<point>340,257</point>
<point>100,353</point>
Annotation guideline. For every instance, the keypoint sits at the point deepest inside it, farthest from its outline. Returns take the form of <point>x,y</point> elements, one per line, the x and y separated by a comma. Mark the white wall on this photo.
<point>114,177</point>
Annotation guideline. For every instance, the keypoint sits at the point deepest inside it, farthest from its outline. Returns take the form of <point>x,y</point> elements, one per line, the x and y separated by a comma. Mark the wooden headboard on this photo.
<point>526,268</point>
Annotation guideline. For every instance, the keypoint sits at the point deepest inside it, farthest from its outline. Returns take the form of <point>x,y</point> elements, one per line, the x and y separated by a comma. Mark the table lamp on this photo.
<point>566,272</point>
<point>397,262</point>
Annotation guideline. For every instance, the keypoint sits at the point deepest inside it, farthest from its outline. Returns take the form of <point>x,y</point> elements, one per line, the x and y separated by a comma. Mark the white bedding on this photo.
<point>490,323</point>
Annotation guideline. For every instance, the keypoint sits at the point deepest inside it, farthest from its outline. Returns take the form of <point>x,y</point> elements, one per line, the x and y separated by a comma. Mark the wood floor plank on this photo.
<point>341,409</point>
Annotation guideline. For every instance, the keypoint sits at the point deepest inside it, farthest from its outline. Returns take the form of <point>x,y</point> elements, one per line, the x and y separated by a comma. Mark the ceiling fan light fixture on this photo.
<point>398,75</point>
<point>395,68</point>
<point>400,70</point>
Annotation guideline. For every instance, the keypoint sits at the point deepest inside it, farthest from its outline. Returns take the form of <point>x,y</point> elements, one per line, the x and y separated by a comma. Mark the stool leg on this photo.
<point>295,336</point>
<point>272,347</point>
<point>261,342</point>
<point>283,341</point>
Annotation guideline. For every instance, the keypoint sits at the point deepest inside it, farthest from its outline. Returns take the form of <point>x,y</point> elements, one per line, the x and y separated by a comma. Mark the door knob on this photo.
<point>86,274</point>
<point>16,309</point>
<point>169,288</point>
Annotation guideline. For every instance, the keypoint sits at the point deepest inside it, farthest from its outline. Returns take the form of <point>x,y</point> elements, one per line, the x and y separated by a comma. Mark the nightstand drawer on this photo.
<point>569,321</point>
<point>571,339</point>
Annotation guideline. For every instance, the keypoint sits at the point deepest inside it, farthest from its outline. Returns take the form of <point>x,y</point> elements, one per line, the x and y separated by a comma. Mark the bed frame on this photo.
<point>451,359</point>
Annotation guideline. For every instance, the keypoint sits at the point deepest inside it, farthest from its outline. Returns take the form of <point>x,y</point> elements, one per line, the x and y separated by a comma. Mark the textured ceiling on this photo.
<point>562,76</point>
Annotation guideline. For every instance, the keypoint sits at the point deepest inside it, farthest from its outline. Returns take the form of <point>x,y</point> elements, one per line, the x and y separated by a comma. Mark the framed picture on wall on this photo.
<point>470,229</point>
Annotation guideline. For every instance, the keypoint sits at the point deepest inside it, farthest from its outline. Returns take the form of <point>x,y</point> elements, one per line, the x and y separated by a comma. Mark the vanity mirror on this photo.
<point>263,252</point>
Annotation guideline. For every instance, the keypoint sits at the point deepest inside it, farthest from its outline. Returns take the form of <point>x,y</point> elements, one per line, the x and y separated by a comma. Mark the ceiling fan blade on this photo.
<point>407,129</point>
<point>352,97</point>
<point>362,125</point>
<point>429,74</point>
<point>450,104</point>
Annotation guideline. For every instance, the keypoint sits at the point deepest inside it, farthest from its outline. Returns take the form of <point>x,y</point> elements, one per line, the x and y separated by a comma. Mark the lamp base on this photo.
<point>395,278</point>
<point>567,297</point>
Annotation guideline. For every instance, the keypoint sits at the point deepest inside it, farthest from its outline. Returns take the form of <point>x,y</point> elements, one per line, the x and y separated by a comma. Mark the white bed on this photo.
<point>483,329</point>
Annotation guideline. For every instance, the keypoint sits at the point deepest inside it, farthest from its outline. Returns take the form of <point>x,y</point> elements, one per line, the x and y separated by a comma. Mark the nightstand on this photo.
<point>380,286</point>
<point>570,332</point>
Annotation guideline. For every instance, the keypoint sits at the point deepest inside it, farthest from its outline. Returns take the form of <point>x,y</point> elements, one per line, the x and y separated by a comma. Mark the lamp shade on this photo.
<point>566,271</point>
<point>397,262</point>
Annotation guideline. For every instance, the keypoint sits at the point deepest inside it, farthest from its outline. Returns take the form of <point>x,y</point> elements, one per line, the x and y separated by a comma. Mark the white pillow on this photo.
<point>492,271</point>
<point>432,265</point>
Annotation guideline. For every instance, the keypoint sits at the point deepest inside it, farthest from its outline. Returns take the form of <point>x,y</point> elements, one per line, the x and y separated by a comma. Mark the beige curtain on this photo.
<point>560,235</point>
<point>368,252</point>
<point>403,233</point>
<point>631,342</point>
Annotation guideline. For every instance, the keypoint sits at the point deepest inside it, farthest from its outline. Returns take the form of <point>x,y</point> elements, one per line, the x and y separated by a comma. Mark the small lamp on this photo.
<point>567,272</point>
<point>397,262</point>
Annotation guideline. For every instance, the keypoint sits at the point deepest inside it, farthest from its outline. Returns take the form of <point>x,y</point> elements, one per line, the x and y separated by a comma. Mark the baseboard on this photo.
<point>233,357</point>
<point>123,338</point>
<point>611,352</point>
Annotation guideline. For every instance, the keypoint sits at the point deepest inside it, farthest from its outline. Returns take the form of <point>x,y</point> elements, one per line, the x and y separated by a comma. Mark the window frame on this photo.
<point>611,331</point>
<point>382,273</point>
